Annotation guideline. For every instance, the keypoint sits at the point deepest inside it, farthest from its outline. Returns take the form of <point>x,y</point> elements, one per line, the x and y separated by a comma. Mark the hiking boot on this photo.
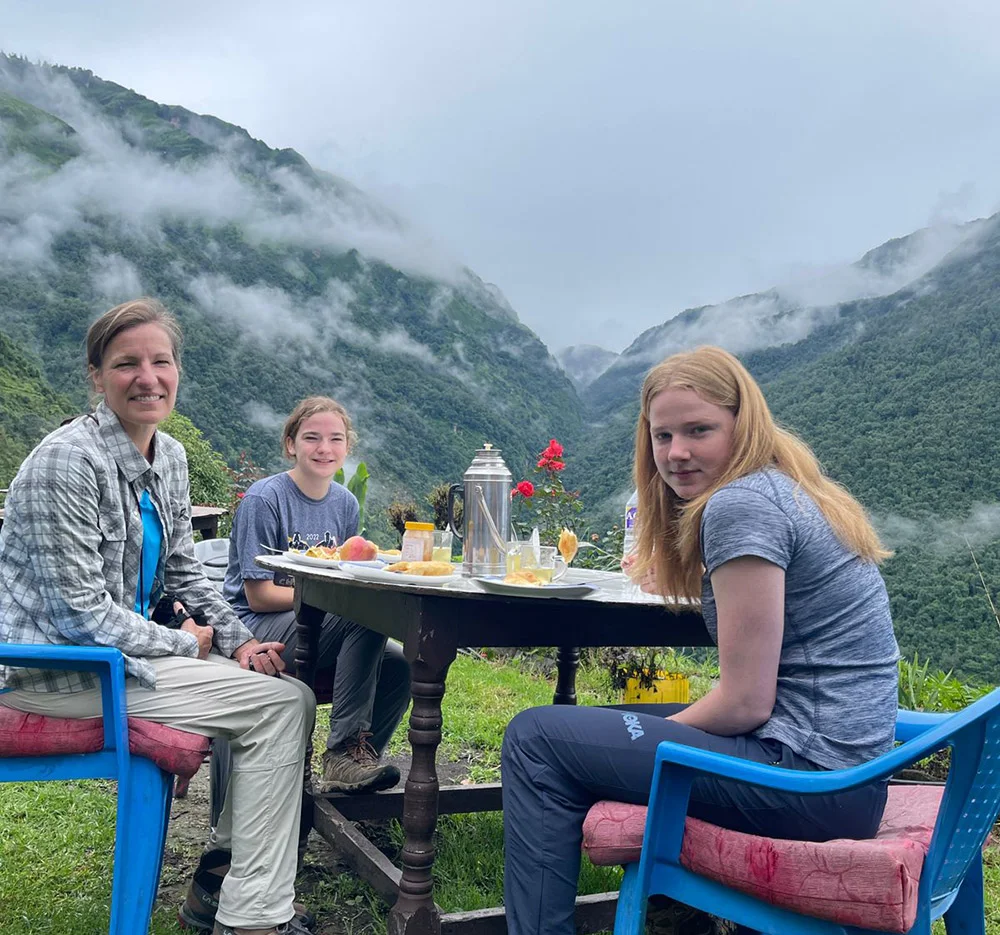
<point>354,767</point>
<point>202,900</point>
<point>291,927</point>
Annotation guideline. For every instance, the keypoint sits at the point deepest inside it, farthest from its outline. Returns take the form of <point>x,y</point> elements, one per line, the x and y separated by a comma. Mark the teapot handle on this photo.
<point>452,490</point>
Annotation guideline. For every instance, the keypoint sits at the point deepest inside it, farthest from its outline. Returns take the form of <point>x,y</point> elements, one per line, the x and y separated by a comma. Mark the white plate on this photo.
<point>301,558</point>
<point>396,577</point>
<point>331,562</point>
<point>556,589</point>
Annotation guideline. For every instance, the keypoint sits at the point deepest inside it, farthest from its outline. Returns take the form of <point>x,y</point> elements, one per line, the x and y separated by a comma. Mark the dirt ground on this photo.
<point>189,824</point>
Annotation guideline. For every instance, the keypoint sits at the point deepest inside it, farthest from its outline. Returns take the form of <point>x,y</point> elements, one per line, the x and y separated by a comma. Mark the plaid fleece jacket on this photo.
<point>71,545</point>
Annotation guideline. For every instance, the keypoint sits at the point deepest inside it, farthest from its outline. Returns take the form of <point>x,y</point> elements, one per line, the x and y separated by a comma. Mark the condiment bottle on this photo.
<point>418,542</point>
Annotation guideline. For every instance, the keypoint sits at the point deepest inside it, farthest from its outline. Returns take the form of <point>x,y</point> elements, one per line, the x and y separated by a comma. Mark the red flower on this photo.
<point>556,465</point>
<point>525,488</point>
<point>240,495</point>
<point>555,450</point>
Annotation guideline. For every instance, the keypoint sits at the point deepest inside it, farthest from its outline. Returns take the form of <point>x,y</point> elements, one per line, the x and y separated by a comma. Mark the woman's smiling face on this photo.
<point>138,377</point>
<point>692,440</point>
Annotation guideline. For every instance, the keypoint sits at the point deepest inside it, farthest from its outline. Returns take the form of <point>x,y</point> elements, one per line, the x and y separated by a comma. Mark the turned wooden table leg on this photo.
<point>415,912</point>
<point>308,620</point>
<point>567,661</point>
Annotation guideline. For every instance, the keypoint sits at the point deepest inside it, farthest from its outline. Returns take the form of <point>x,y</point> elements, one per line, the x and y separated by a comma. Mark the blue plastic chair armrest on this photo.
<point>937,733</point>
<point>107,662</point>
<point>910,724</point>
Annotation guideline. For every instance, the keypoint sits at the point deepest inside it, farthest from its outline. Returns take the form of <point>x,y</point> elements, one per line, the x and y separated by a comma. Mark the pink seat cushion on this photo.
<point>176,751</point>
<point>871,884</point>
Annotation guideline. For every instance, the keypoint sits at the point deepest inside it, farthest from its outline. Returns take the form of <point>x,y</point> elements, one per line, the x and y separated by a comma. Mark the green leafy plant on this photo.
<point>602,552</point>
<point>357,485</point>
<point>921,689</point>
<point>438,500</point>
<point>400,513</point>
<point>646,664</point>
<point>209,475</point>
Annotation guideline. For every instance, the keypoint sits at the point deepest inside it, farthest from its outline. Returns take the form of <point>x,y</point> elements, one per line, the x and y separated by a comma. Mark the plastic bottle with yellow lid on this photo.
<point>418,542</point>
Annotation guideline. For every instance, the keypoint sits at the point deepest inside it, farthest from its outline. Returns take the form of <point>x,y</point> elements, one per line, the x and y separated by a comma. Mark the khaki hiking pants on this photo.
<point>268,722</point>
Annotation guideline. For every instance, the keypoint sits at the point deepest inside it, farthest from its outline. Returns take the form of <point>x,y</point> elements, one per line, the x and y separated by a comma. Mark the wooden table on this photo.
<point>204,519</point>
<point>432,623</point>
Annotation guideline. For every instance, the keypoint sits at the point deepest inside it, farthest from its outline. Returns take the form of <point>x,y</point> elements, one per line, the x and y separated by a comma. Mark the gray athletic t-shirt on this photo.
<point>837,689</point>
<point>270,513</point>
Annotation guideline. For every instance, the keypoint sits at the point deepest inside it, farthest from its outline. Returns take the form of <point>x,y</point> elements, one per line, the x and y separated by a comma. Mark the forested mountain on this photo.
<point>288,281</point>
<point>897,394</point>
<point>28,406</point>
<point>584,363</point>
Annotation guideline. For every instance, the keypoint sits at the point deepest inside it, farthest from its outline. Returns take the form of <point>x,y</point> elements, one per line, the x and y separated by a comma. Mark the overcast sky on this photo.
<point>605,164</point>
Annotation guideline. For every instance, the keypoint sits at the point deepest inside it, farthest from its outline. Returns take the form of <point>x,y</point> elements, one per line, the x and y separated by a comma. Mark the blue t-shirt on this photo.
<point>837,691</point>
<point>152,538</point>
<point>270,513</point>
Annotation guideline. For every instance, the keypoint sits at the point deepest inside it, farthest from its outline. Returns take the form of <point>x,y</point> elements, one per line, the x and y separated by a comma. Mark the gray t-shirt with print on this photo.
<point>270,513</point>
<point>837,689</point>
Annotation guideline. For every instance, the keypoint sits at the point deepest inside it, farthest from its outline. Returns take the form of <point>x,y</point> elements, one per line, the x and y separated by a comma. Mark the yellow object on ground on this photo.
<point>667,688</point>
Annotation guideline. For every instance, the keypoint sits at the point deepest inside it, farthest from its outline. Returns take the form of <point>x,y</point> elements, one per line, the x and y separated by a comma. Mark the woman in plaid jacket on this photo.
<point>97,529</point>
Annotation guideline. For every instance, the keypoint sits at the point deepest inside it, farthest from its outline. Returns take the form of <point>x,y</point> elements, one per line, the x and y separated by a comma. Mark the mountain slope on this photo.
<point>28,407</point>
<point>897,396</point>
<point>584,363</point>
<point>288,281</point>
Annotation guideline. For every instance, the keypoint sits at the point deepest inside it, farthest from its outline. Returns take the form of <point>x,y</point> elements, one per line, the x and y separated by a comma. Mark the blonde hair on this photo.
<point>669,528</point>
<point>144,311</point>
<point>311,406</point>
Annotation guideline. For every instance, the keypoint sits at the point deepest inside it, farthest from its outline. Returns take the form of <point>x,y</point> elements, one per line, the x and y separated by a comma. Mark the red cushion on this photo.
<point>871,884</point>
<point>176,751</point>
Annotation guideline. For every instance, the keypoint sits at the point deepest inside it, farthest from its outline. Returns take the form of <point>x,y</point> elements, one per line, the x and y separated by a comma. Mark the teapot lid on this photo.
<point>488,460</point>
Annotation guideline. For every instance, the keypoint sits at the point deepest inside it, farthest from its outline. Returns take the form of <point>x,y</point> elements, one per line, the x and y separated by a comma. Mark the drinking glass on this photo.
<point>545,568</point>
<point>442,545</point>
<point>514,555</point>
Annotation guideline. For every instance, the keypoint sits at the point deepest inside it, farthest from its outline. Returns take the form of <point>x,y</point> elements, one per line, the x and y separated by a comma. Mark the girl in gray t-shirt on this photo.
<point>737,513</point>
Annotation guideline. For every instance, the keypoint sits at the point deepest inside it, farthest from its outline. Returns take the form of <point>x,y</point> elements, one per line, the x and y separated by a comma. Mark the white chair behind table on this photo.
<point>214,557</point>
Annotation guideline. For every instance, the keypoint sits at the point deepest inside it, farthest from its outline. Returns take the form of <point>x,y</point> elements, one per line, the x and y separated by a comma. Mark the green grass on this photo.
<point>56,845</point>
<point>56,839</point>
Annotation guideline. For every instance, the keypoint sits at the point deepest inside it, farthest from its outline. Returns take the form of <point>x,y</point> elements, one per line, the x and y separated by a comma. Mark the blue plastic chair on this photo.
<point>951,883</point>
<point>144,790</point>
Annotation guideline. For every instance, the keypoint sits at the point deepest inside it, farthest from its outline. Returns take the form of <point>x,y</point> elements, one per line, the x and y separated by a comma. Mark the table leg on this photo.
<point>308,620</point>
<point>415,912</point>
<point>567,662</point>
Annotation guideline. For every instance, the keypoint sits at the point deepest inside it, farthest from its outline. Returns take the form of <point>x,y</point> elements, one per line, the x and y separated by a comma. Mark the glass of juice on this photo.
<point>545,568</point>
<point>442,545</point>
<point>513,556</point>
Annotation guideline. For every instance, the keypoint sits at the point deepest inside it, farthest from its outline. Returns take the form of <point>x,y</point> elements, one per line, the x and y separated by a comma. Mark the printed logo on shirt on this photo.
<point>632,725</point>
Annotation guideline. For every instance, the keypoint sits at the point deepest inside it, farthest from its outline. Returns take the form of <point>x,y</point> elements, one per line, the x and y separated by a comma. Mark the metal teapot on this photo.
<point>485,492</point>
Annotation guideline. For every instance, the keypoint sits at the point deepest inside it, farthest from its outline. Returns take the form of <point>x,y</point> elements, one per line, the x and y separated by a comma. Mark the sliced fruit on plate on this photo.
<point>568,545</point>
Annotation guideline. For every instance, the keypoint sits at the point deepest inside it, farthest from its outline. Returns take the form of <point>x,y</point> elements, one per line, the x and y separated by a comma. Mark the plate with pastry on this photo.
<point>318,556</point>
<point>428,574</point>
<point>525,583</point>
